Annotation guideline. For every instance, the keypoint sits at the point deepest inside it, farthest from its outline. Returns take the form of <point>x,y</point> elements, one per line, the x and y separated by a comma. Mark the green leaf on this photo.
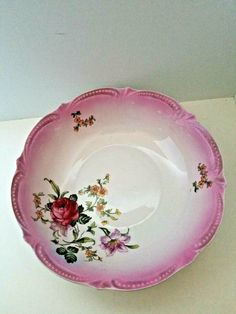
<point>72,249</point>
<point>118,212</point>
<point>48,206</point>
<point>93,225</point>
<point>113,218</point>
<point>83,219</point>
<point>91,231</point>
<point>195,186</point>
<point>73,223</point>
<point>54,186</point>
<point>64,193</point>
<point>52,196</point>
<point>85,240</point>
<point>105,230</point>
<point>80,208</point>
<point>61,251</point>
<point>106,178</point>
<point>70,257</point>
<point>75,234</point>
<point>54,241</point>
<point>89,205</point>
<point>134,246</point>
<point>126,233</point>
<point>73,197</point>
<point>55,234</point>
<point>102,201</point>
<point>44,220</point>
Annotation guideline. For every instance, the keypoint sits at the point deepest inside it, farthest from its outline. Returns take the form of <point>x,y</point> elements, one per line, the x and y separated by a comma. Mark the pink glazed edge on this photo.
<point>189,255</point>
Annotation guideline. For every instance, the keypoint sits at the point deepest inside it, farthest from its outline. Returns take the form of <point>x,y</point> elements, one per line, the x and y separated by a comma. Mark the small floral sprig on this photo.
<point>40,212</point>
<point>69,221</point>
<point>82,122</point>
<point>98,192</point>
<point>91,255</point>
<point>202,168</point>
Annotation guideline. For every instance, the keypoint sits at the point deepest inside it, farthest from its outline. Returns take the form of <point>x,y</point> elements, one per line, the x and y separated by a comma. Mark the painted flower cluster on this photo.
<point>204,181</point>
<point>73,225</point>
<point>96,194</point>
<point>82,122</point>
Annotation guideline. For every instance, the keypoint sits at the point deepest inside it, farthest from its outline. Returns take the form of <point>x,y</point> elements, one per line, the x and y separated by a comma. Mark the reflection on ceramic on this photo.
<point>118,189</point>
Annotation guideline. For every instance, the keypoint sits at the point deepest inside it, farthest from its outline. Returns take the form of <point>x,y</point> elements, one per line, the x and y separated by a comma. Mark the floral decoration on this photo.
<point>73,222</point>
<point>204,181</point>
<point>82,122</point>
<point>116,241</point>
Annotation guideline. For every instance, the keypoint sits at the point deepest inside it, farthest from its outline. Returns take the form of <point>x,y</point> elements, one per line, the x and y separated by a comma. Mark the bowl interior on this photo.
<point>151,155</point>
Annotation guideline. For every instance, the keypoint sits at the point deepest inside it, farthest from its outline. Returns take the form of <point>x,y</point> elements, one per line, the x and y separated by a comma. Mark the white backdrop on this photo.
<point>53,50</point>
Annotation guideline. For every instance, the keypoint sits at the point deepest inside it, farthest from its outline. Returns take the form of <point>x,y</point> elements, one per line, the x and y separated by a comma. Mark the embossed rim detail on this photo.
<point>191,252</point>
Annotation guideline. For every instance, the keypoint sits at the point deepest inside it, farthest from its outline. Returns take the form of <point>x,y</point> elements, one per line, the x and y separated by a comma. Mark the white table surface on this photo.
<point>208,286</point>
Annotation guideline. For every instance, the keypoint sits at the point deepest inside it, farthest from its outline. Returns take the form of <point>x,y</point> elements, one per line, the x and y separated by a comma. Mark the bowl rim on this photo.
<point>190,255</point>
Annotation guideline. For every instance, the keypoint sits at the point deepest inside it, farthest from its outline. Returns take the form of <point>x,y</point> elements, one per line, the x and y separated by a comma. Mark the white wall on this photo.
<point>53,50</point>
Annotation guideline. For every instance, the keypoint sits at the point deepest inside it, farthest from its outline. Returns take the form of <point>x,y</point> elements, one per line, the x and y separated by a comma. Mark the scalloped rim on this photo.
<point>191,253</point>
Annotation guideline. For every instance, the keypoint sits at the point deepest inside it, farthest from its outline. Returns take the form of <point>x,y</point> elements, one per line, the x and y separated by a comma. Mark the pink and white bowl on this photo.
<point>118,189</point>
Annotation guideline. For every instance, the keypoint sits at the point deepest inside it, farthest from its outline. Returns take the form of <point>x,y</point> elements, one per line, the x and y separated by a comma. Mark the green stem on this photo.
<point>77,229</point>
<point>100,184</point>
<point>56,235</point>
<point>95,202</point>
<point>43,208</point>
<point>82,234</point>
<point>74,241</point>
<point>92,206</point>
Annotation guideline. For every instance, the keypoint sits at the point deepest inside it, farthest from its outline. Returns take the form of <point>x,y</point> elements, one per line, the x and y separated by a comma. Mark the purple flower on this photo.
<point>114,242</point>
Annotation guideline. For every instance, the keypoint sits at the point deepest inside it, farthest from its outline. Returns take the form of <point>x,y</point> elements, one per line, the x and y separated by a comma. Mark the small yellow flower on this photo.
<point>37,200</point>
<point>203,172</point>
<point>89,253</point>
<point>94,189</point>
<point>100,207</point>
<point>39,214</point>
<point>78,120</point>
<point>202,167</point>
<point>204,178</point>
<point>201,184</point>
<point>102,191</point>
<point>90,122</point>
<point>84,122</point>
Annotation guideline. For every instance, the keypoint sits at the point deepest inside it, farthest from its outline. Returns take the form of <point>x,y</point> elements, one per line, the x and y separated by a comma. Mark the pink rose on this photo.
<point>64,211</point>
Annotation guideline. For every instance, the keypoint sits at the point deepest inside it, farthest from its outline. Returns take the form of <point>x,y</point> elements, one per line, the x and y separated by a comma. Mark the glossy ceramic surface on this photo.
<point>118,189</point>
